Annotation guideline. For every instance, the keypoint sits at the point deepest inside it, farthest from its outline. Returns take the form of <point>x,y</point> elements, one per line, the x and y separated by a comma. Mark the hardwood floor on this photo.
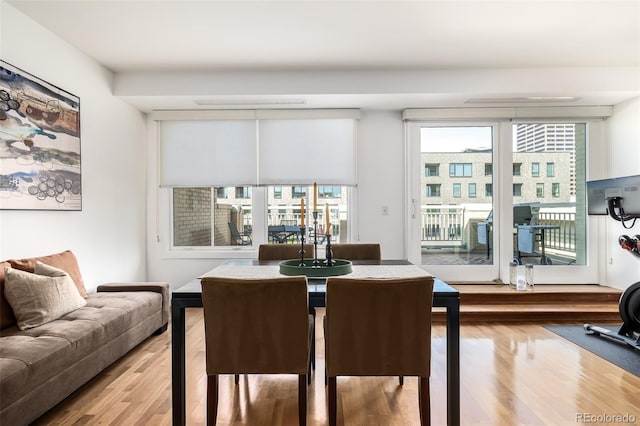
<point>511,374</point>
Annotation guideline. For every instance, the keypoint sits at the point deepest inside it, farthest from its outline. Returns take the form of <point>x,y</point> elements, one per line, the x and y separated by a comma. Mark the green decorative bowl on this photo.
<point>293,267</point>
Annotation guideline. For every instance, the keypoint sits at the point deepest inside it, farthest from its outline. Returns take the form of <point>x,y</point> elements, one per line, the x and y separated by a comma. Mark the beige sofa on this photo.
<point>41,366</point>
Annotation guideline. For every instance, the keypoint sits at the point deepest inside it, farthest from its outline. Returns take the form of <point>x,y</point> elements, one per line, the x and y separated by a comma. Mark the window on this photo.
<point>431,169</point>
<point>439,139</point>
<point>298,191</point>
<point>222,192</point>
<point>550,169</point>
<point>488,189</point>
<point>472,190</point>
<point>243,192</point>
<point>200,220</point>
<point>516,169</point>
<point>286,211</point>
<point>535,169</point>
<point>218,156</point>
<point>329,191</point>
<point>460,170</point>
<point>277,192</point>
<point>517,189</point>
<point>561,160</point>
<point>457,190</point>
<point>433,190</point>
<point>488,169</point>
<point>192,217</point>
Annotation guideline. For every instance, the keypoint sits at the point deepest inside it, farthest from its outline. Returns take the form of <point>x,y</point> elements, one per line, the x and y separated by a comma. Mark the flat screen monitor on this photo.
<point>627,188</point>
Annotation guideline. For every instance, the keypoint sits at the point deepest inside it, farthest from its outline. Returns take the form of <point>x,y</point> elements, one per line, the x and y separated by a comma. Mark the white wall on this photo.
<point>381,175</point>
<point>108,234</point>
<point>623,268</point>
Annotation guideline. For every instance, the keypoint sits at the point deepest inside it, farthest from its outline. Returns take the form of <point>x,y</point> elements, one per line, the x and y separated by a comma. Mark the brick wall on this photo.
<point>222,234</point>
<point>192,216</point>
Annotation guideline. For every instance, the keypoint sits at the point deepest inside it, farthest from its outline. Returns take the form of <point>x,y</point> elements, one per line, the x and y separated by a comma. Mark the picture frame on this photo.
<point>40,161</point>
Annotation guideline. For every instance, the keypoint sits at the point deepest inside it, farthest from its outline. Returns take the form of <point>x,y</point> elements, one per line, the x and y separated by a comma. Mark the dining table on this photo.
<point>189,295</point>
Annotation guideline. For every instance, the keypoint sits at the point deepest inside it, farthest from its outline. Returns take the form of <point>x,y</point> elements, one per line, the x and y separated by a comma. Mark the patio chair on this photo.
<point>239,238</point>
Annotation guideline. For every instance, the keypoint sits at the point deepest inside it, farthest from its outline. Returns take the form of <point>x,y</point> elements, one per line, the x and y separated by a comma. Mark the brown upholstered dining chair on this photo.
<point>283,251</point>
<point>356,251</point>
<point>379,327</point>
<point>256,326</point>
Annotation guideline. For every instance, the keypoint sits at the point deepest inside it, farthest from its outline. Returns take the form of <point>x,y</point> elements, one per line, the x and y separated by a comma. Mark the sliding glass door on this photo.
<point>482,195</point>
<point>452,199</point>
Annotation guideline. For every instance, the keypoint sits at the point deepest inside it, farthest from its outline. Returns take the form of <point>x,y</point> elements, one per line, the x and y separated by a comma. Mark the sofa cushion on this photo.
<point>37,299</point>
<point>66,261</point>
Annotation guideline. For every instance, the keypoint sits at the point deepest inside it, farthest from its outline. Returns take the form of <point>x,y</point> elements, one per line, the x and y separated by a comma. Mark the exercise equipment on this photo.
<point>631,244</point>
<point>629,333</point>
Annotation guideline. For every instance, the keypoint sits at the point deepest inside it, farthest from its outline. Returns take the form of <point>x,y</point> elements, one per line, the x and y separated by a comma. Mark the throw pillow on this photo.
<point>66,261</point>
<point>37,299</point>
<point>7,319</point>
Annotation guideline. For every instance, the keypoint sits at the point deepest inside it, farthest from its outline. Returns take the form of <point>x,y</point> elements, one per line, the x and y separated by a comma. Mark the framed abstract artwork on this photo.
<point>39,144</point>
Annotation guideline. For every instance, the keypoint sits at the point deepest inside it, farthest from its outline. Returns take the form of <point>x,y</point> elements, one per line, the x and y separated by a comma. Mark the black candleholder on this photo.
<point>329,252</point>
<point>302,232</point>
<point>315,239</point>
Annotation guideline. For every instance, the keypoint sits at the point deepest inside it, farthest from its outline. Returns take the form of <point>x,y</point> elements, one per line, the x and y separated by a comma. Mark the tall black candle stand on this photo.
<point>329,255</point>
<point>315,239</point>
<point>302,232</point>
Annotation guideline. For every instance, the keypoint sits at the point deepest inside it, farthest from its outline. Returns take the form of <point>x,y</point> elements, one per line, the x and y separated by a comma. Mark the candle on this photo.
<point>302,213</point>
<point>315,196</point>
<point>326,214</point>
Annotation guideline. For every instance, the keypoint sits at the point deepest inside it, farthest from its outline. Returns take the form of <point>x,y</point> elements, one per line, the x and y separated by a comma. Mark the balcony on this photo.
<point>450,234</point>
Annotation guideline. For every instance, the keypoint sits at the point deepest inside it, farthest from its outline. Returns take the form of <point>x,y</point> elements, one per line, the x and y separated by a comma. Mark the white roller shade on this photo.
<point>307,151</point>
<point>208,153</point>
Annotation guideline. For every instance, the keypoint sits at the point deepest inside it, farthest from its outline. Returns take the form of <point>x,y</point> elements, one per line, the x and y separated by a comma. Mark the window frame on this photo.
<point>535,169</point>
<point>437,186</point>
<point>296,194</point>
<point>458,193</point>
<point>474,193</point>
<point>552,168</point>
<point>488,189</point>
<point>517,167</point>
<point>466,167</point>
<point>517,185</point>
<point>277,194</point>
<point>427,166</point>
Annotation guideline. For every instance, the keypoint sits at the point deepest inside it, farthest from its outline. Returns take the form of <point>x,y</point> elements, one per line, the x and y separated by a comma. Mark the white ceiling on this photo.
<point>388,36</point>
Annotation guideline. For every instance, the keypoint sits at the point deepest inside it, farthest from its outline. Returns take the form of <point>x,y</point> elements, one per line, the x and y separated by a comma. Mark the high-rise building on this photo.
<point>549,138</point>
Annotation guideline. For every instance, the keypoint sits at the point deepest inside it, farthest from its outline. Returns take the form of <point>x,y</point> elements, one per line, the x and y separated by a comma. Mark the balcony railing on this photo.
<point>457,227</point>
<point>442,225</point>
